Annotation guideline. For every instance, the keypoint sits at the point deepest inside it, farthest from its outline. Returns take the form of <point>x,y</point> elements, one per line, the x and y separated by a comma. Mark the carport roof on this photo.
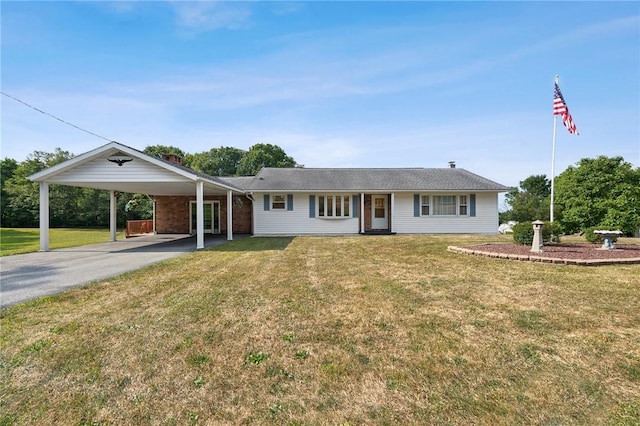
<point>142,173</point>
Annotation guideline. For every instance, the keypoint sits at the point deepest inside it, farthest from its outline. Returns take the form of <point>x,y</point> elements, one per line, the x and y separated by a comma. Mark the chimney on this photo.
<point>452,164</point>
<point>172,158</point>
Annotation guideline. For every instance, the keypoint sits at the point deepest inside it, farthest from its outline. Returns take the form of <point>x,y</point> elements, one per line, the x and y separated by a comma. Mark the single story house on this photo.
<point>291,201</point>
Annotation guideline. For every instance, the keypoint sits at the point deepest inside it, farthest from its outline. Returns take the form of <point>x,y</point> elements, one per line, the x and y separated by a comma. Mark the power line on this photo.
<point>53,116</point>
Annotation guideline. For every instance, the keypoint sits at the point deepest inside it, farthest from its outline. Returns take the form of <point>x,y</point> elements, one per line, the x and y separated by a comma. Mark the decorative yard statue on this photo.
<point>536,245</point>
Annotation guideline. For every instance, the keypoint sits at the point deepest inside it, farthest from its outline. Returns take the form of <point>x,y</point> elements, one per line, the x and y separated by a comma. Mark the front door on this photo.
<point>211,217</point>
<point>379,212</point>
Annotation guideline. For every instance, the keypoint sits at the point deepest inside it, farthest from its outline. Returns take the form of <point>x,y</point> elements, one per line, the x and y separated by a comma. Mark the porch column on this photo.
<point>391,210</point>
<point>229,215</point>
<point>154,215</point>
<point>44,216</point>
<point>112,215</point>
<point>199,215</point>
<point>362,212</point>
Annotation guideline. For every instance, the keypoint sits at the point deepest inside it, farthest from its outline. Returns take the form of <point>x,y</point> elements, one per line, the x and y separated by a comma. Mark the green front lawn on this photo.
<point>331,330</point>
<point>26,240</point>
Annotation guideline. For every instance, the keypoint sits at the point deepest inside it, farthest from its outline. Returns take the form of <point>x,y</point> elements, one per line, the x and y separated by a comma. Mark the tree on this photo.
<point>530,201</point>
<point>264,155</point>
<point>24,195</point>
<point>7,168</point>
<point>604,191</point>
<point>223,161</point>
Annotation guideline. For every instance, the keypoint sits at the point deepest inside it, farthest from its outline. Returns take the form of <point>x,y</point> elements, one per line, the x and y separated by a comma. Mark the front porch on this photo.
<point>377,214</point>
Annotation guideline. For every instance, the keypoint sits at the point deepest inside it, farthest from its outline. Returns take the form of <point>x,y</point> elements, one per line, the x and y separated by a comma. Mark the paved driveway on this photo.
<point>25,277</point>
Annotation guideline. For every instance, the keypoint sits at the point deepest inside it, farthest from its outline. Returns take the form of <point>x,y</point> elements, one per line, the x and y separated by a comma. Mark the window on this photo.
<point>425,205</point>
<point>279,202</point>
<point>462,206</point>
<point>442,205</point>
<point>334,206</point>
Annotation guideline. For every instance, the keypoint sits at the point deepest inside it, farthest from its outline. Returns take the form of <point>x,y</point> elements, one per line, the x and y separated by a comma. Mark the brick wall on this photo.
<point>366,214</point>
<point>172,214</point>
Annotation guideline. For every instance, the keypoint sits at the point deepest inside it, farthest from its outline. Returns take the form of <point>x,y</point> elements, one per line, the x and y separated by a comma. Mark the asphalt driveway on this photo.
<point>25,277</point>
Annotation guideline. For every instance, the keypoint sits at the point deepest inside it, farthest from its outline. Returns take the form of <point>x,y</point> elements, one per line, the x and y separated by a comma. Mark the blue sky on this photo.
<point>335,84</point>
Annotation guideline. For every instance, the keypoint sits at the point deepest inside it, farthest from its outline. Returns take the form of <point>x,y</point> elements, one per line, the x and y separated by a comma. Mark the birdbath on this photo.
<point>608,235</point>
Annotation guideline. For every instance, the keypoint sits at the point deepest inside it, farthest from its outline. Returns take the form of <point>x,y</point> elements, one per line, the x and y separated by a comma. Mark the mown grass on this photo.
<point>27,240</point>
<point>343,330</point>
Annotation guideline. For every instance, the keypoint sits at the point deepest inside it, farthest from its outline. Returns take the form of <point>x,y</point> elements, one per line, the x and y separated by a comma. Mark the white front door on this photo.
<point>211,217</point>
<point>379,212</point>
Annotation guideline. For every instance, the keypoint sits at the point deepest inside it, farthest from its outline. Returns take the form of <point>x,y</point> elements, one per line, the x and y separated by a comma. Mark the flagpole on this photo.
<point>553,160</point>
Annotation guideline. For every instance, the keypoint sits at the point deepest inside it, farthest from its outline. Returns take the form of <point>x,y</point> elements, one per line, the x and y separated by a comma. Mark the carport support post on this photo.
<point>199,214</point>
<point>112,215</point>
<point>44,216</point>
<point>391,210</point>
<point>229,216</point>
<point>361,213</point>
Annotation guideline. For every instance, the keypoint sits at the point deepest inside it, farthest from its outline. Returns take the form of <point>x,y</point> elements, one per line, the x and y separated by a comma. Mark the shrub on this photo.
<point>551,232</point>
<point>523,233</point>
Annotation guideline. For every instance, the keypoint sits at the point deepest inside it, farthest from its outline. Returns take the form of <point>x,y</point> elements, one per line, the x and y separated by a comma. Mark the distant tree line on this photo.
<point>602,192</point>
<point>596,192</point>
<point>84,207</point>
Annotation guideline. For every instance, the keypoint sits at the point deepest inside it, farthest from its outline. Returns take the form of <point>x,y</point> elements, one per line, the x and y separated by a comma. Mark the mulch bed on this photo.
<point>571,254</point>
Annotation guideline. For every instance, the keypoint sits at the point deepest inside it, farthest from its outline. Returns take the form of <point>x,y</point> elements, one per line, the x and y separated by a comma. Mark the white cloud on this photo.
<point>195,17</point>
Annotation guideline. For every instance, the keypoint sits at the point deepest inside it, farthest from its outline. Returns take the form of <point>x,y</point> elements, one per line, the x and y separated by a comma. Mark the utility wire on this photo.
<point>53,116</point>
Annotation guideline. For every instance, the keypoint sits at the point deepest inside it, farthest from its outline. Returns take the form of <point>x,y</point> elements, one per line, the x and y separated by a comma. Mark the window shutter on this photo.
<point>354,205</point>
<point>416,205</point>
<point>472,205</point>
<point>312,206</point>
<point>290,202</point>
<point>267,203</point>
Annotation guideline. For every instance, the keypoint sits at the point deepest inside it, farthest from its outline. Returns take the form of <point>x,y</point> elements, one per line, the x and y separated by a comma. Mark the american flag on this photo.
<point>560,108</point>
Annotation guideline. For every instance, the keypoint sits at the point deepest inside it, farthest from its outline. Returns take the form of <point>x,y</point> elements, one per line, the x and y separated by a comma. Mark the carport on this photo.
<point>118,168</point>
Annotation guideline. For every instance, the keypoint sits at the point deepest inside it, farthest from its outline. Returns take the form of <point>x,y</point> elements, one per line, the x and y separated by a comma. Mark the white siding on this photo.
<point>297,221</point>
<point>485,221</point>
<point>104,171</point>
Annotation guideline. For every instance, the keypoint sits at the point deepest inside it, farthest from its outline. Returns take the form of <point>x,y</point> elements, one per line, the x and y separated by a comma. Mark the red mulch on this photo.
<point>575,254</point>
<point>566,251</point>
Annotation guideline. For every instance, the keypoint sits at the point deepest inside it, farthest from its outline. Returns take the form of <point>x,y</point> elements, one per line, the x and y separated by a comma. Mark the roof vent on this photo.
<point>452,164</point>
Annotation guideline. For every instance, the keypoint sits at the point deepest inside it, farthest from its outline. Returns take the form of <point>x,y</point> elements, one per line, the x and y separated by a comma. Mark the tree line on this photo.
<point>85,207</point>
<point>602,192</point>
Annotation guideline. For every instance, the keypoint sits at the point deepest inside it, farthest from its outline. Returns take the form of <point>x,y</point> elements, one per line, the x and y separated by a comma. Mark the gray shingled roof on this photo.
<point>403,179</point>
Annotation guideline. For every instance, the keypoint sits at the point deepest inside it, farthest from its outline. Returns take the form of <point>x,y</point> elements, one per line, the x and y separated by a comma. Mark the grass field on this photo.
<point>27,240</point>
<point>337,331</point>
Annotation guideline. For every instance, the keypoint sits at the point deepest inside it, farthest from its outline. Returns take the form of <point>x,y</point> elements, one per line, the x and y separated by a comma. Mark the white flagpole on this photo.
<point>553,159</point>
